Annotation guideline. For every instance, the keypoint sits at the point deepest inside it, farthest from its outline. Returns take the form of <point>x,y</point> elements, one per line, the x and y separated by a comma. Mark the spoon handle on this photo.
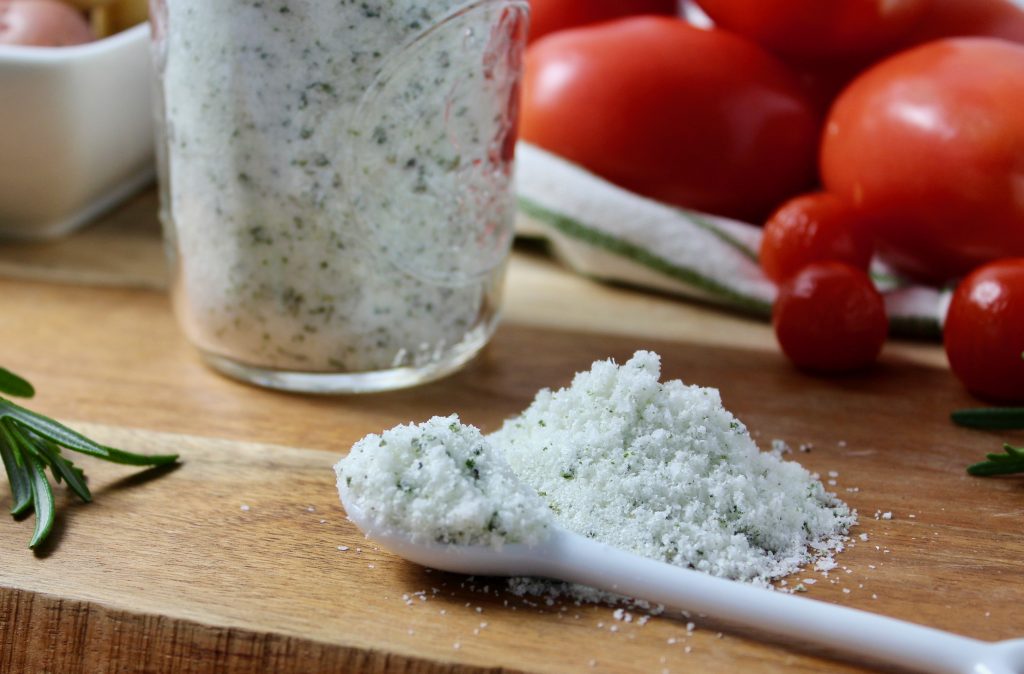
<point>866,636</point>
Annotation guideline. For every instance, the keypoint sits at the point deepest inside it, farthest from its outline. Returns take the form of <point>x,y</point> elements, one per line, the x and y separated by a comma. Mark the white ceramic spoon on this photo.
<point>863,636</point>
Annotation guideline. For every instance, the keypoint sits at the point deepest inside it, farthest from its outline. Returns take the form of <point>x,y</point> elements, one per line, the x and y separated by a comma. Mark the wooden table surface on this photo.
<point>231,562</point>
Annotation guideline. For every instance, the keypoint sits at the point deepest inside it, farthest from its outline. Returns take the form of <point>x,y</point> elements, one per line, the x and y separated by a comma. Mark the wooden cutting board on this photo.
<point>231,562</point>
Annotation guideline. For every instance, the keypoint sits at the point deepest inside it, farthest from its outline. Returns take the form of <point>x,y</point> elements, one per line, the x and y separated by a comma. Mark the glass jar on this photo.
<point>336,183</point>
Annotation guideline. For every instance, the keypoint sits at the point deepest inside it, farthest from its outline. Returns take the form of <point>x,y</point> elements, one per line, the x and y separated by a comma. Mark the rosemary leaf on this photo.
<point>130,459</point>
<point>13,385</point>
<point>995,418</point>
<point>17,472</point>
<point>60,466</point>
<point>51,430</point>
<point>42,498</point>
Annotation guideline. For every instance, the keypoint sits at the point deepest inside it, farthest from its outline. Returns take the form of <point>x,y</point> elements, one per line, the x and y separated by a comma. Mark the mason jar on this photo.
<point>336,183</point>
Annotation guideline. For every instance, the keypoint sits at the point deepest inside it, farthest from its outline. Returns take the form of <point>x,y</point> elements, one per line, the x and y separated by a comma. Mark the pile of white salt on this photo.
<point>662,470</point>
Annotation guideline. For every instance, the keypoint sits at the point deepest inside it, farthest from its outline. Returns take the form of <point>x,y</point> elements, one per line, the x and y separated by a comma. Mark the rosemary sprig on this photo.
<point>1001,464</point>
<point>31,443</point>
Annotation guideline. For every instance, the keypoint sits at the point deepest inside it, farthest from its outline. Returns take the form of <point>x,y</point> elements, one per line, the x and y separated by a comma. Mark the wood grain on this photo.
<point>121,249</point>
<point>171,574</point>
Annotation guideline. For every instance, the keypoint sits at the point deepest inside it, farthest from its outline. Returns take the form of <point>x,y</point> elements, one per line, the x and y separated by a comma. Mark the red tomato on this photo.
<point>825,78</point>
<point>984,332</point>
<point>930,146</point>
<point>697,118</point>
<point>812,228</point>
<point>815,28</point>
<point>547,16</point>
<point>951,18</point>
<point>829,318</point>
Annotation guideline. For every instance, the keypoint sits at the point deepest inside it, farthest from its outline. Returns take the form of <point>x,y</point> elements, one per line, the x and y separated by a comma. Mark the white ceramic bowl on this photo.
<point>76,132</point>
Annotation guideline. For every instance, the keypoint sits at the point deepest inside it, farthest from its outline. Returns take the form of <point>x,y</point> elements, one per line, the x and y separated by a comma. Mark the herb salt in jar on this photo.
<point>336,183</point>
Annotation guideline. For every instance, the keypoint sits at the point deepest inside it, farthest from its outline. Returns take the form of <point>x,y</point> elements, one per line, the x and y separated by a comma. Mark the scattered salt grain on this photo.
<point>825,564</point>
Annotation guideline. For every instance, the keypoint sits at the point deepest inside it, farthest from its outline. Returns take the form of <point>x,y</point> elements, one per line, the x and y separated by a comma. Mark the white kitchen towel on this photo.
<point>609,233</point>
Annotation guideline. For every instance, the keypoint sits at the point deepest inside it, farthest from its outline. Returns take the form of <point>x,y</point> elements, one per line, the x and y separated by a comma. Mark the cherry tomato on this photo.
<point>929,145</point>
<point>812,228</point>
<point>697,118</point>
<point>951,18</point>
<point>984,331</point>
<point>548,16</point>
<point>816,28</point>
<point>829,318</point>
